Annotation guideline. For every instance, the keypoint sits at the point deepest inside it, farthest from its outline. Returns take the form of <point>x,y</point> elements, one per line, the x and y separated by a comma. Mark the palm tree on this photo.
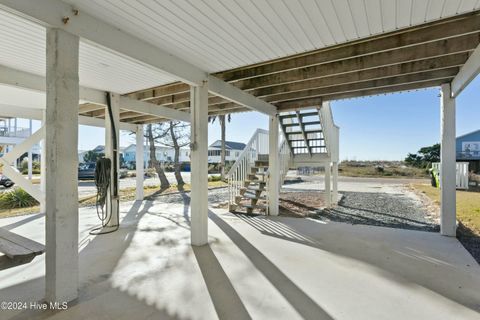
<point>221,120</point>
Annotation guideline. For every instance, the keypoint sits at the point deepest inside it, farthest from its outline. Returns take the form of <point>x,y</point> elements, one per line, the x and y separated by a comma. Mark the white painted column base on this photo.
<point>273,167</point>
<point>139,162</point>
<point>199,164</point>
<point>448,168</point>
<point>61,167</point>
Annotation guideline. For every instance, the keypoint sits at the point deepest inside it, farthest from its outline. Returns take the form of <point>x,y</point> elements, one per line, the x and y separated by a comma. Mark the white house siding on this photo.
<point>163,154</point>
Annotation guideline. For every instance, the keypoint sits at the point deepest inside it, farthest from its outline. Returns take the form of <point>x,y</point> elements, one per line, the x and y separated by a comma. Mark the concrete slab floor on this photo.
<point>253,268</point>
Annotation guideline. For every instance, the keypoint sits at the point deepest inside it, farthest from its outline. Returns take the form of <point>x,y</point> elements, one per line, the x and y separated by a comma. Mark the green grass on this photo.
<point>384,172</point>
<point>468,205</point>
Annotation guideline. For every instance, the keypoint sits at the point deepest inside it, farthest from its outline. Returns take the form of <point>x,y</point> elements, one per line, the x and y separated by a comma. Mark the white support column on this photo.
<point>139,161</point>
<point>335,183</point>
<point>30,157</point>
<point>113,202</point>
<point>328,190</point>
<point>447,164</point>
<point>61,166</point>
<point>199,164</point>
<point>43,165</point>
<point>273,167</point>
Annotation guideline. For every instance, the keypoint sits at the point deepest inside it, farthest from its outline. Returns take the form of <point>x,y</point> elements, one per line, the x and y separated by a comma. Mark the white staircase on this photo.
<point>308,138</point>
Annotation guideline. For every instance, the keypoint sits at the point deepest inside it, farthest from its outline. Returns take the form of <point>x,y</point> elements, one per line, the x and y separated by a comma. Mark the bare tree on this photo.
<point>222,120</point>
<point>178,137</point>
<point>153,134</point>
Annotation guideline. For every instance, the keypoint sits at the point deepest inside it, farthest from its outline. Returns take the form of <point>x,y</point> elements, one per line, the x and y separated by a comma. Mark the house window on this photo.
<point>213,153</point>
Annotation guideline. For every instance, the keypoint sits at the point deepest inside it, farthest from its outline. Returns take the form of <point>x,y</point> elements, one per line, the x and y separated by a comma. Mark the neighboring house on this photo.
<point>232,151</point>
<point>162,153</point>
<point>11,134</point>
<point>468,149</point>
<point>98,149</point>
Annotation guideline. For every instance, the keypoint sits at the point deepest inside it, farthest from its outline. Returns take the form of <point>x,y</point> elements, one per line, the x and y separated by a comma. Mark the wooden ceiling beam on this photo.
<point>414,53</point>
<point>88,107</point>
<point>454,27</point>
<point>145,117</point>
<point>299,104</point>
<point>162,91</point>
<point>386,90</point>
<point>312,102</point>
<point>228,111</point>
<point>128,114</point>
<point>365,85</point>
<point>438,63</point>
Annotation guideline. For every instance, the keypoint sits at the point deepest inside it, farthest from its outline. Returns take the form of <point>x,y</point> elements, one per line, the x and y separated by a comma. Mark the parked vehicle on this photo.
<point>86,171</point>
<point>6,182</point>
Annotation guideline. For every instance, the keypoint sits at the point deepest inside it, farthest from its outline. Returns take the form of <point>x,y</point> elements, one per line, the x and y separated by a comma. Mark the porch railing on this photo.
<point>461,177</point>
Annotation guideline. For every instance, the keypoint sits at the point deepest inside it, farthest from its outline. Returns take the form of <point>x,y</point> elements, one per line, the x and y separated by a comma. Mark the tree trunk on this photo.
<point>222,159</point>
<point>176,158</point>
<point>164,184</point>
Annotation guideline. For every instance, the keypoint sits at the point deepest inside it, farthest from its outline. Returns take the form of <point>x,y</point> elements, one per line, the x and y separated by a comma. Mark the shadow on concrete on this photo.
<point>306,232</point>
<point>98,298</point>
<point>469,239</point>
<point>226,301</point>
<point>298,299</point>
<point>28,219</point>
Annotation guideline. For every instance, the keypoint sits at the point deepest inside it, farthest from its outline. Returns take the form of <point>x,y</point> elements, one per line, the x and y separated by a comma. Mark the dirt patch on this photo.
<point>301,204</point>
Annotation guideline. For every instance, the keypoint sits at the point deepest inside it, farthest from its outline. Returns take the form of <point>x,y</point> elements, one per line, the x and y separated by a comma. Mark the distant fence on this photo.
<point>461,180</point>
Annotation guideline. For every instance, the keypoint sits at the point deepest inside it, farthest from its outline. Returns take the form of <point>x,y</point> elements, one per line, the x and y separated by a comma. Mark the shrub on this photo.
<point>16,198</point>
<point>34,171</point>
<point>214,178</point>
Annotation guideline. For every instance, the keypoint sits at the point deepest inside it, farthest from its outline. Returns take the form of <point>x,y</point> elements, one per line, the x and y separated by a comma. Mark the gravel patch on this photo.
<point>215,196</point>
<point>381,209</point>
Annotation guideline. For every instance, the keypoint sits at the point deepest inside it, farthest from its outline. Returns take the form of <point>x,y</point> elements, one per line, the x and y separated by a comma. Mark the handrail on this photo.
<point>237,175</point>
<point>246,149</point>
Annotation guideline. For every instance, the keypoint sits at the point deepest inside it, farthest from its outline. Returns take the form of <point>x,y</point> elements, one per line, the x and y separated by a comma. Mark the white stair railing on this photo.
<point>285,158</point>
<point>258,145</point>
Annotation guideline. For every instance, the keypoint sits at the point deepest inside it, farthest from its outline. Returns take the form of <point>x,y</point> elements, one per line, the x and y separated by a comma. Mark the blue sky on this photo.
<point>385,127</point>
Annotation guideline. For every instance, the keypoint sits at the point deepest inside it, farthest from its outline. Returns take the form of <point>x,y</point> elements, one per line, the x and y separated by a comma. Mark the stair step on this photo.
<point>256,182</point>
<point>315,139</point>
<point>249,197</point>
<point>309,114</point>
<point>306,131</point>
<point>254,176</point>
<point>287,116</point>
<point>309,123</point>
<point>251,207</point>
<point>291,124</point>
<point>252,188</point>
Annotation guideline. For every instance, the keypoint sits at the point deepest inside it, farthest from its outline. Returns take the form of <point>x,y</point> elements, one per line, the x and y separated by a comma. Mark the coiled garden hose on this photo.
<point>102,182</point>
